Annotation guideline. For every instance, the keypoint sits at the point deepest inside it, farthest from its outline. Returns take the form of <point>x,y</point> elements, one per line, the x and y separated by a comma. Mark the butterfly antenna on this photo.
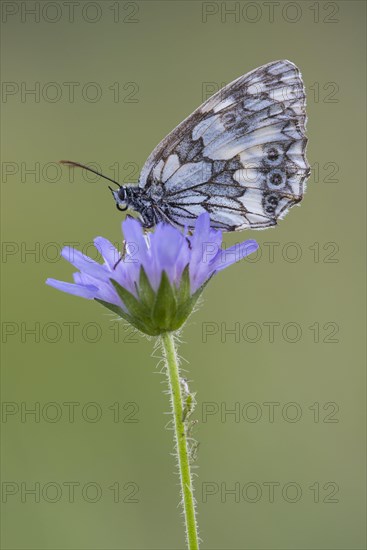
<point>78,165</point>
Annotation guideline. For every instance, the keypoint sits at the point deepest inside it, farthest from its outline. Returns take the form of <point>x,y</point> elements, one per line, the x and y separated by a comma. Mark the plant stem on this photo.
<point>181,440</point>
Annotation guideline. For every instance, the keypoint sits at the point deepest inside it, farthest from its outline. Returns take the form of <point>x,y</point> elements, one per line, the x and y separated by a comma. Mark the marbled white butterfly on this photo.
<point>240,157</point>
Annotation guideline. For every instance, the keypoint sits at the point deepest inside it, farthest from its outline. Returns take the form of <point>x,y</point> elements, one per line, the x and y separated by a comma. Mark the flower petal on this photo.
<point>234,254</point>
<point>170,253</point>
<point>205,244</point>
<point>84,263</point>
<point>137,253</point>
<point>109,252</point>
<point>83,291</point>
<point>136,243</point>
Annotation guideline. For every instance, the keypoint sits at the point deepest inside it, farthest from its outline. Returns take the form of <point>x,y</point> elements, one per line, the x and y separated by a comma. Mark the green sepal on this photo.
<point>145,290</point>
<point>138,312</point>
<point>139,325</point>
<point>184,310</point>
<point>165,306</point>
<point>116,309</point>
<point>134,306</point>
<point>183,292</point>
<point>156,312</point>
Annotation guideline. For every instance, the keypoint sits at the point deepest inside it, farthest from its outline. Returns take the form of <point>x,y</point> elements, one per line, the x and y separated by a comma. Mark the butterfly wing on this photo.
<point>240,156</point>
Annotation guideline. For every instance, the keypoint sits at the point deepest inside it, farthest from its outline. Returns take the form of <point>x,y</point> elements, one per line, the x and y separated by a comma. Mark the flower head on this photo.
<point>157,281</point>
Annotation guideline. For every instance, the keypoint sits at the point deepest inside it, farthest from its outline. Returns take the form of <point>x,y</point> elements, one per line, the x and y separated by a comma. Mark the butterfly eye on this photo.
<point>120,198</point>
<point>121,194</point>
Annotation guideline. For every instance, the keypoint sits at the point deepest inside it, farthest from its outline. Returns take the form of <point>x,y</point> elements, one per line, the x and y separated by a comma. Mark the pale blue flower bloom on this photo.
<point>165,249</point>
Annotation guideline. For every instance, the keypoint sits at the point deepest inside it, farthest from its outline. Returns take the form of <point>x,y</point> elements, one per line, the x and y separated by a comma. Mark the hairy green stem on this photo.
<point>181,439</point>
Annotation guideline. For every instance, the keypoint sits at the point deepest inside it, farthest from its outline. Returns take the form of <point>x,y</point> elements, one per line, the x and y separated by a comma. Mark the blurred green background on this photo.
<point>110,80</point>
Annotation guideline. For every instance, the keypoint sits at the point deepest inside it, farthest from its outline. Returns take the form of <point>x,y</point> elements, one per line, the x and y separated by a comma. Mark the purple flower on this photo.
<point>160,276</point>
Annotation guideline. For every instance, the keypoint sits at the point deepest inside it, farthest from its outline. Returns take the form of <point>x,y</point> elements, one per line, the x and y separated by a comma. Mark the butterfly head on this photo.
<point>120,197</point>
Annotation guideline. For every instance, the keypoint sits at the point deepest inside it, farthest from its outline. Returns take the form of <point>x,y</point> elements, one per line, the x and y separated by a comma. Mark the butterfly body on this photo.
<point>150,203</point>
<point>241,157</point>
